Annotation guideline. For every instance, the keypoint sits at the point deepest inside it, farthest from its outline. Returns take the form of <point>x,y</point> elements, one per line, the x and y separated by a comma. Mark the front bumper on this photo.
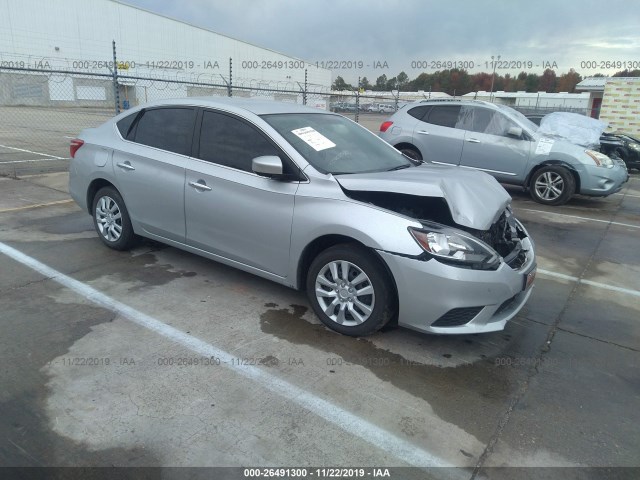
<point>598,181</point>
<point>429,291</point>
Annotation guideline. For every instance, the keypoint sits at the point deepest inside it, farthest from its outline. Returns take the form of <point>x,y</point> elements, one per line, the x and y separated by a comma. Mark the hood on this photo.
<point>573,127</point>
<point>475,199</point>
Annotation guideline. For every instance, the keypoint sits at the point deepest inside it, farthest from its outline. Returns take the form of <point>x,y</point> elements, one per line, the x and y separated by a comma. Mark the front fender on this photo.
<point>372,226</point>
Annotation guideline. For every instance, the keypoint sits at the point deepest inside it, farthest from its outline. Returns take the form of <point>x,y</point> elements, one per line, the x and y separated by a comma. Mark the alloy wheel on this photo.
<point>109,218</point>
<point>549,186</point>
<point>345,293</point>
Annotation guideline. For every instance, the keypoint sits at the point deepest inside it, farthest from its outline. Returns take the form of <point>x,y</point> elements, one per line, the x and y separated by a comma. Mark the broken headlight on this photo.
<point>452,246</point>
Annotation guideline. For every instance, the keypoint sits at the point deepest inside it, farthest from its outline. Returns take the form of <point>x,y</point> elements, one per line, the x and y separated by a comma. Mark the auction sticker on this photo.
<point>314,139</point>
<point>544,146</point>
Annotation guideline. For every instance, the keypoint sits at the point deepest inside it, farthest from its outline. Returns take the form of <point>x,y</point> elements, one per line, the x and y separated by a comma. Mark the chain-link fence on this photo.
<point>42,110</point>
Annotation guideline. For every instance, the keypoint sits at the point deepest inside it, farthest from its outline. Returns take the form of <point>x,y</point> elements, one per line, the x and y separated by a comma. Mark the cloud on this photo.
<point>400,31</point>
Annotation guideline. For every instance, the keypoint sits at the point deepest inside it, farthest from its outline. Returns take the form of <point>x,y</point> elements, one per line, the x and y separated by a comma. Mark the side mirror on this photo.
<point>515,132</point>
<point>267,166</point>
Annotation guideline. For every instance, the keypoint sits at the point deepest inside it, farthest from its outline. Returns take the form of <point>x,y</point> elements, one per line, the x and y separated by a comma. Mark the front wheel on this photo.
<point>552,185</point>
<point>350,291</point>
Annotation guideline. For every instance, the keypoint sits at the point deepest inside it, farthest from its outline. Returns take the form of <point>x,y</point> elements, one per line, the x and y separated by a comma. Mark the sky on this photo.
<point>374,37</point>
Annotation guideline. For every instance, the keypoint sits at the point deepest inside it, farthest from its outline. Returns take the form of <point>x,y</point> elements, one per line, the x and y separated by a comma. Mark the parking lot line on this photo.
<point>627,195</point>
<point>29,151</point>
<point>36,205</point>
<point>626,291</point>
<point>349,422</point>
<point>580,218</point>
<point>56,159</point>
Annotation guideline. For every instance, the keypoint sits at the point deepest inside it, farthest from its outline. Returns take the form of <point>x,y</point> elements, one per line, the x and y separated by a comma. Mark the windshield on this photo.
<point>519,116</point>
<point>333,144</point>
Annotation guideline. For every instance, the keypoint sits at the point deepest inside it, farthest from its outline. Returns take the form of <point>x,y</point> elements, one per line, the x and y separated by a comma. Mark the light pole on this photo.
<point>493,76</point>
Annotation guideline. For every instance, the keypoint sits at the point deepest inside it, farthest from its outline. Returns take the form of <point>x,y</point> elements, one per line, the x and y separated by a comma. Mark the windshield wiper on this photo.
<point>399,167</point>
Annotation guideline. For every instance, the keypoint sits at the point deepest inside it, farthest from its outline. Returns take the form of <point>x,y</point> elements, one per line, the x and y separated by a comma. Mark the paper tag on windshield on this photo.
<point>544,146</point>
<point>314,139</point>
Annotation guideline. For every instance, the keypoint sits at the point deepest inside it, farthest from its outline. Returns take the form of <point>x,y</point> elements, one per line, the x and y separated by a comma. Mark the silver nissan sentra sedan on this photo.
<point>314,201</point>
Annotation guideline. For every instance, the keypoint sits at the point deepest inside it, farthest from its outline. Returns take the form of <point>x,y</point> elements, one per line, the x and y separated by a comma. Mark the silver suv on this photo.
<point>504,143</point>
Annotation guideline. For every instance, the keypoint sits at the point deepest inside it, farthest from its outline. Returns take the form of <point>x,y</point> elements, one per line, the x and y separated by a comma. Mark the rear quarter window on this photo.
<point>124,124</point>
<point>419,112</point>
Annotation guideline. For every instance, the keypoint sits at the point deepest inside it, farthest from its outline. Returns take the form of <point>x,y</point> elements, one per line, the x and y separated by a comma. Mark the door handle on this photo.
<point>423,132</point>
<point>200,186</point>
<point>126,166</point>
<point>473,140</point>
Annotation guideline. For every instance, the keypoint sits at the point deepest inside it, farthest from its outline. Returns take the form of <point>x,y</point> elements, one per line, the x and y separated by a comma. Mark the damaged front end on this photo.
<point>445,240</point>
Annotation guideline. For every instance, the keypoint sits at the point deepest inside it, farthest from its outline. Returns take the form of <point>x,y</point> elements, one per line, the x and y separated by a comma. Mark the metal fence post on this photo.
<point>358,102</point>
<point>230,84</point>
<point>304,95</point>
<point>116,90</point>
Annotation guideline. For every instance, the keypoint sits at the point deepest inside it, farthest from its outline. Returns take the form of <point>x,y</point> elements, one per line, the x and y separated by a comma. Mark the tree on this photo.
<point>547,82</point>
<point>567,81</point>
<point>364,83</point>
<point>627,73</point>
<point>392,84</point>
<point>381,82</point>
<point>531,82</point>
<point>339,84</point>
<point>403,80</point>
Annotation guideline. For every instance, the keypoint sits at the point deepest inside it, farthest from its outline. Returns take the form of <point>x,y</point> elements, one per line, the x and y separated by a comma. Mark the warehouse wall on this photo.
<point>61,32</point>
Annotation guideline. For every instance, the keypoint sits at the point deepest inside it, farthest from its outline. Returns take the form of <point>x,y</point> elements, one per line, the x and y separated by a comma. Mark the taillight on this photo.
<point>76,143</point>
<point>385,126</point>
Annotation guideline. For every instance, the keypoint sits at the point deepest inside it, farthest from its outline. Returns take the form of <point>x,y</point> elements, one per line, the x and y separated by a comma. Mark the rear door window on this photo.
<point>167,128</point>
<point>444,115</point>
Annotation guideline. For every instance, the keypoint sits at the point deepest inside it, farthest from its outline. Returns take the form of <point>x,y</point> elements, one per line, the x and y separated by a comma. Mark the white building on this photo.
<point>75,35</point>
<point>615,100</point>
<point>539,100</point>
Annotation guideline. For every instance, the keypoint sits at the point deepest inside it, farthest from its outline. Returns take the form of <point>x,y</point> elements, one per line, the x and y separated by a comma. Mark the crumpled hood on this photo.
<point>475,199</point>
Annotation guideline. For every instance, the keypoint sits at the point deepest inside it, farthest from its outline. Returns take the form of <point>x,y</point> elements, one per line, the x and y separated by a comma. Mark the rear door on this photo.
<point>150,169</point>
<point>437,137</point>
<point>489,147</point>
<point>231,211</point>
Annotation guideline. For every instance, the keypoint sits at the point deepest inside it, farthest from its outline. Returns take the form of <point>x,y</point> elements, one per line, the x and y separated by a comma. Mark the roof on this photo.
<point>520,94</point>
<point>591,84</point>
<point>257,107</point>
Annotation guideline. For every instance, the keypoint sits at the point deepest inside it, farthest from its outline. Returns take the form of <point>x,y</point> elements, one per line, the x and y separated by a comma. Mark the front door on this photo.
<point>231,211</point>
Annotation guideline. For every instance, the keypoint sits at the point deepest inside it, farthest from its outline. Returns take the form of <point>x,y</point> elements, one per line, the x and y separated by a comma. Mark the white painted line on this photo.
<point>70,138</point>
<point>580,218</point>
<point>356,426</point>
<point>628,195</point>
<point>35,205</point>
<point>56,159</point>
<point>626,291</point>
<point>29,151</point>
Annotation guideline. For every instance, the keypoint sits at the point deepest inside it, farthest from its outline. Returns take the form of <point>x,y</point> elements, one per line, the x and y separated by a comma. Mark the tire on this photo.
<point>411,152</point>
<point>111,219</point>
<point>352,314</point>
<point>552,185</point>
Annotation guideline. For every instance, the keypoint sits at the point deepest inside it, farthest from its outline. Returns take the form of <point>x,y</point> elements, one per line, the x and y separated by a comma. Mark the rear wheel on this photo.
<point>111,219</point>
<point>552,185</point>
<point>350,291</point>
